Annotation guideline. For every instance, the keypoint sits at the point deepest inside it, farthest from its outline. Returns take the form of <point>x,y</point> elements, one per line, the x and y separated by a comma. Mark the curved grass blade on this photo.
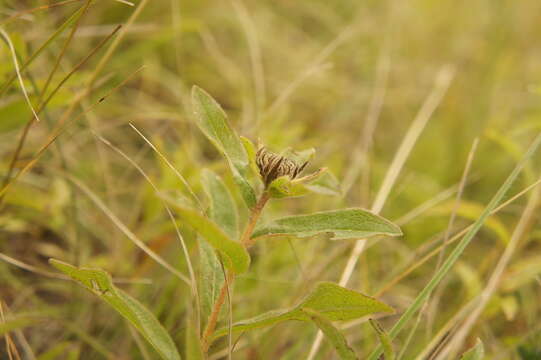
<point>100,283</point>
<point>457,251</point>
<point>29,61</point>
<point>344,224</point>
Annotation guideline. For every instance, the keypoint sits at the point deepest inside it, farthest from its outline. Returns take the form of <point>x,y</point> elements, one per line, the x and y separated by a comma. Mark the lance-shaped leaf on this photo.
<point>100,283</point>
<point>344,224</point>
<point>335,302</point>
<point>212,121</point>
<point>385,340</point>
<point>211,277</point>
<point>475,353</point>
<point>335,337</point>
<point>223,211</point>
<point>330,300</point>
<point>235,256</point>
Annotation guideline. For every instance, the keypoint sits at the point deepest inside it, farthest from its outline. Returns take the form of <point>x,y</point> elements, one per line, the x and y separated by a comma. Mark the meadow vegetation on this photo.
<point>270,180</point>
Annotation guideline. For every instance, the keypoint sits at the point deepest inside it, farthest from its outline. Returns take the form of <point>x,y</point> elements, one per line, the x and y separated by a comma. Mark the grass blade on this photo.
<point>453,257</point>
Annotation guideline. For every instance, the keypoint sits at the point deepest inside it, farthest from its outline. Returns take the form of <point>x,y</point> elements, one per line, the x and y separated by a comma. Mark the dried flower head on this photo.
<point>272,166</point>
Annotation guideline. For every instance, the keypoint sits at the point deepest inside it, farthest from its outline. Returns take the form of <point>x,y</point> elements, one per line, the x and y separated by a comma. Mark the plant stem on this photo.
<point>256,213</point>
<point>230,277</point>
<point>213,317</point>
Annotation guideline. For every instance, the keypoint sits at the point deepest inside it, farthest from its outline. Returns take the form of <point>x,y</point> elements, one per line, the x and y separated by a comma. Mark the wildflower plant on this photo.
<point>224,254</point>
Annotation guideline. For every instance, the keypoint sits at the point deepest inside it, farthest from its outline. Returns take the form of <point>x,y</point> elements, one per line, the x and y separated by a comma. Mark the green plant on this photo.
<point>280,178</point>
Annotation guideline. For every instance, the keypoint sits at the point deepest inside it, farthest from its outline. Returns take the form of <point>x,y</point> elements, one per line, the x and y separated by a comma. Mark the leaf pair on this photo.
<point>343,224</point>
<point>327,302</point>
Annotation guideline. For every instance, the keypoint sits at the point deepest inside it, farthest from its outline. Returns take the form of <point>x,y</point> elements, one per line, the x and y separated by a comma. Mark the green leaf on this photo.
<point>384,339</point>
<point>338,303</point>
<point>335,337</point>
<point>330,300</point>
<point>211,277</point>
<point>319,182</point>
<point>212,121</point>
<point>326,184</point>
<point>299,156</point>
<point>283,187</point>
<point>344,224</point>
<point>249,147</point>
<point>475,353</point>
<point>100,283</point>
<point>193,344</point>
<point>223,209</point>
<point>235,256</point>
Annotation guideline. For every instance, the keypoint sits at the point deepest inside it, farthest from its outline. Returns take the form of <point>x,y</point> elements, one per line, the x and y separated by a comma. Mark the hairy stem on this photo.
<point>230,277</point>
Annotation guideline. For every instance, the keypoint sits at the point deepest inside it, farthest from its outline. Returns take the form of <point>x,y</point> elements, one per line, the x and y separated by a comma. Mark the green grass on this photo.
<point>356,81</point>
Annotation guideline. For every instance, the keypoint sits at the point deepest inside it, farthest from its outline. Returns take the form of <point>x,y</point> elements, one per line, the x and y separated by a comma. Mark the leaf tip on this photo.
<point>59,265</point>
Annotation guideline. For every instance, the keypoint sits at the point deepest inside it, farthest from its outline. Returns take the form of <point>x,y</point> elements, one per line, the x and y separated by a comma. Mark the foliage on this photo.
<point>342,85</point>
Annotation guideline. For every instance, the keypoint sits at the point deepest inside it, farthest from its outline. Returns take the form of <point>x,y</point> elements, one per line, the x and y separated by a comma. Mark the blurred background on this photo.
<point>350,79</point>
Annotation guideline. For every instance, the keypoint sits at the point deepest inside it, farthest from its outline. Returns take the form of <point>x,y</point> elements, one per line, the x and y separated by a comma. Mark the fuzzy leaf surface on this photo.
<point>329,300</point>
<point>223,210</point>
<point>234,254</point>
<point>212,121</point>
<point>344,224</point>
<point>100,283</point>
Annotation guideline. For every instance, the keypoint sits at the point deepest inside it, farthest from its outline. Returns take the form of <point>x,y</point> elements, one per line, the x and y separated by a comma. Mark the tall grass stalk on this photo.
<point>459,249</point>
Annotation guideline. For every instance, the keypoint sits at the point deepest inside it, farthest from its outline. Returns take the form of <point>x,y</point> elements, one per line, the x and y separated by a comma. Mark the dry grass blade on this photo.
<point>456,237</point>
<point>171,217</point>
<point>170,165</point>
<point>38,8</point>
<point>360,157</point>
<point>11,349</point>
<point>55,134</point>
<point>525,223</point>
<point>20,144</point>
<point>18,72</point>
<point>442,83</point>
<point>250,32</point>
<point>111,49</point>
<point>129,234</point>
<point>445,239</point>
<point>459,249</point>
